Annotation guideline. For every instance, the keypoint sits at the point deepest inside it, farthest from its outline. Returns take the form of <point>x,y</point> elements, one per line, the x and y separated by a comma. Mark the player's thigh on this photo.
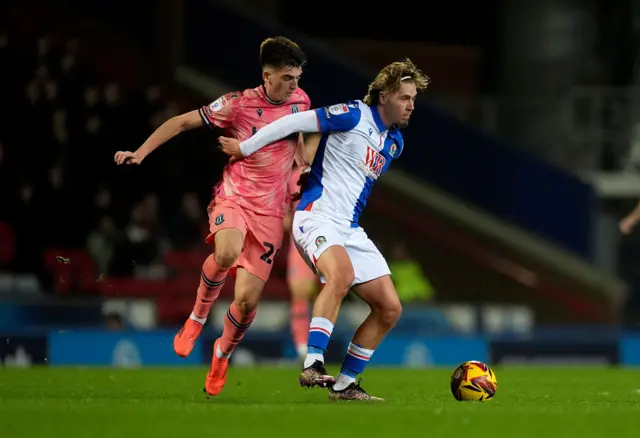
<point>248,290</point>
<point>336,267</point>
<point>373,279</point>
<point>261,246</point>
<point>227,231</point>
<point>368,263</point>
<point>322,244</point>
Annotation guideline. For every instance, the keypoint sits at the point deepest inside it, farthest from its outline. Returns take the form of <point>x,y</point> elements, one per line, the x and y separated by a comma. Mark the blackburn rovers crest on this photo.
<point>393,150</point>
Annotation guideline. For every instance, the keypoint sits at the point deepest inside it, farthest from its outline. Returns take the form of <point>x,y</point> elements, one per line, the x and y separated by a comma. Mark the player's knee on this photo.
<point>390,313</point>
<point>341,281</point>
<point>226,257</point>
<point>228,246</point>
<point>246,305</point>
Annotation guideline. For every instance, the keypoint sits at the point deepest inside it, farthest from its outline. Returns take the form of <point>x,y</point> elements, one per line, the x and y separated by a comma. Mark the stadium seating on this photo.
<point>85,199</point>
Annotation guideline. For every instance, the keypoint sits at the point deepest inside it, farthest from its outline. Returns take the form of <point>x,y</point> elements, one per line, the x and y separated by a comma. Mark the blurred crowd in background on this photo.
<point>60,186</point>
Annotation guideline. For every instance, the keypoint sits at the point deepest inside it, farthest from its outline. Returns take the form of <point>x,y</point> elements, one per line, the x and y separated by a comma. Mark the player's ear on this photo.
<point>266,75</point>
<point>382,97</point>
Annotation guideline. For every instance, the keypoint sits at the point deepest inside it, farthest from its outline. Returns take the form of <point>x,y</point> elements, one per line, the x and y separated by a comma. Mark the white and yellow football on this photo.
<point>473,381</point>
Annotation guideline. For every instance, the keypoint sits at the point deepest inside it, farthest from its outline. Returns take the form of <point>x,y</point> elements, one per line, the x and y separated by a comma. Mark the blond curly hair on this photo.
<point>392,76</point>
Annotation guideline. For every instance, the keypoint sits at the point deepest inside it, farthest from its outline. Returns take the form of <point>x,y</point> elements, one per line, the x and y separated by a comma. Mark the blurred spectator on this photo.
<point>60,146</point>
<point>153,96</point>
<point>6,184</point>
<point>44,55</point>
<point>115,113</point>
<point>102,204</point>
<point>42,74</point>
<point>114,322</point>
<point>96,141</point>
<point>189,223</point>
<point>57,209</point>
<point>103,243</point>
<point>141,234</point>
<point>28,225</point>
<point>51,93</point>
<point>410,282</point>
<point>33,108</point>
<point>91,99</point>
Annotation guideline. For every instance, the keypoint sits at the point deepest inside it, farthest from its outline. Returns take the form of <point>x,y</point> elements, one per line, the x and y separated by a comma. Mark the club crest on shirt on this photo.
<point>320,240</point>
<point>219,219</point>
<point>393,150</point>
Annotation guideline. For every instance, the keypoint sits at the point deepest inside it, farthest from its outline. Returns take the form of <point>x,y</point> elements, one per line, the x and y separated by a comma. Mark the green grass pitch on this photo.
<point>266,402</point>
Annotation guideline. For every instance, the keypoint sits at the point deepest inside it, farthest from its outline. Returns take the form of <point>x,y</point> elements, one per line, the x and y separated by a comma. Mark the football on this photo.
<point>473,381</point>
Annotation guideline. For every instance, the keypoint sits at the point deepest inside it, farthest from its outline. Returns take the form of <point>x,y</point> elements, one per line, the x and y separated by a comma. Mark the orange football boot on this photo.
<point>217,376</point>
<point>185,339</point>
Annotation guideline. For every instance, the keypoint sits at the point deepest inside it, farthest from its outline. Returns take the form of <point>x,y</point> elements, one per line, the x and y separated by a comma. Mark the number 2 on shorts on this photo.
<point>266,257</point>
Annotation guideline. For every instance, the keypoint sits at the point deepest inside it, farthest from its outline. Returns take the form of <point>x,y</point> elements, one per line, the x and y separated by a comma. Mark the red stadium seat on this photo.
<point>185,261</point>
<point>72,270</point>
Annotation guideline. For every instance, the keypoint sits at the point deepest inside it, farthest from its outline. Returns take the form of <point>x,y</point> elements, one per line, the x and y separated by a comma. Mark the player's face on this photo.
<point>398,106</point>
<point>281,83</point>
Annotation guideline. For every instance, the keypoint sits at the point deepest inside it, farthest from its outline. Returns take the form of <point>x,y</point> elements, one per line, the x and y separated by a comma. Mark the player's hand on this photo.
<point>231,147</point>
<point>126,157</point>
<point>304,177</point>
<point>628,224</point>
<point>302,181</point>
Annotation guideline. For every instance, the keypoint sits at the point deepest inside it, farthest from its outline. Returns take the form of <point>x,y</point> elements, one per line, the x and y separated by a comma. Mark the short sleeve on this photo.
<point>220,113</point>
<point>338,118</point>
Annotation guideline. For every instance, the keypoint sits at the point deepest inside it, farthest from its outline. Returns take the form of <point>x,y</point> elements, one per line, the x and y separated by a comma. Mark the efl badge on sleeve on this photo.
<point>336,110</point>
<point>218,104</point>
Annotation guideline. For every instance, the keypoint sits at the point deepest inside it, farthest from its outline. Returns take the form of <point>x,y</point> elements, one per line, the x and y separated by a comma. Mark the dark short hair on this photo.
<point>281,52</point>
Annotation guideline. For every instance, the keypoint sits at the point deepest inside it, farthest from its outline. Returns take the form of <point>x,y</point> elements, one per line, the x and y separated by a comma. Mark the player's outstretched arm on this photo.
<point>336,118</point>
<point>305,121</point>
<point>628,223</point>
<point>161,135</point>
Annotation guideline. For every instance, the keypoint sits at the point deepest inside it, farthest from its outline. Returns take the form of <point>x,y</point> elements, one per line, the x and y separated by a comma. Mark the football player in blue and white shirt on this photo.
<point>359,141</point>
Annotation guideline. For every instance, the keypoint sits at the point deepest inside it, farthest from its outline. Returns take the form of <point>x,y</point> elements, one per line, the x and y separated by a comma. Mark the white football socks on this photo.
<point>343,381</point>
<point>195,318</point>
